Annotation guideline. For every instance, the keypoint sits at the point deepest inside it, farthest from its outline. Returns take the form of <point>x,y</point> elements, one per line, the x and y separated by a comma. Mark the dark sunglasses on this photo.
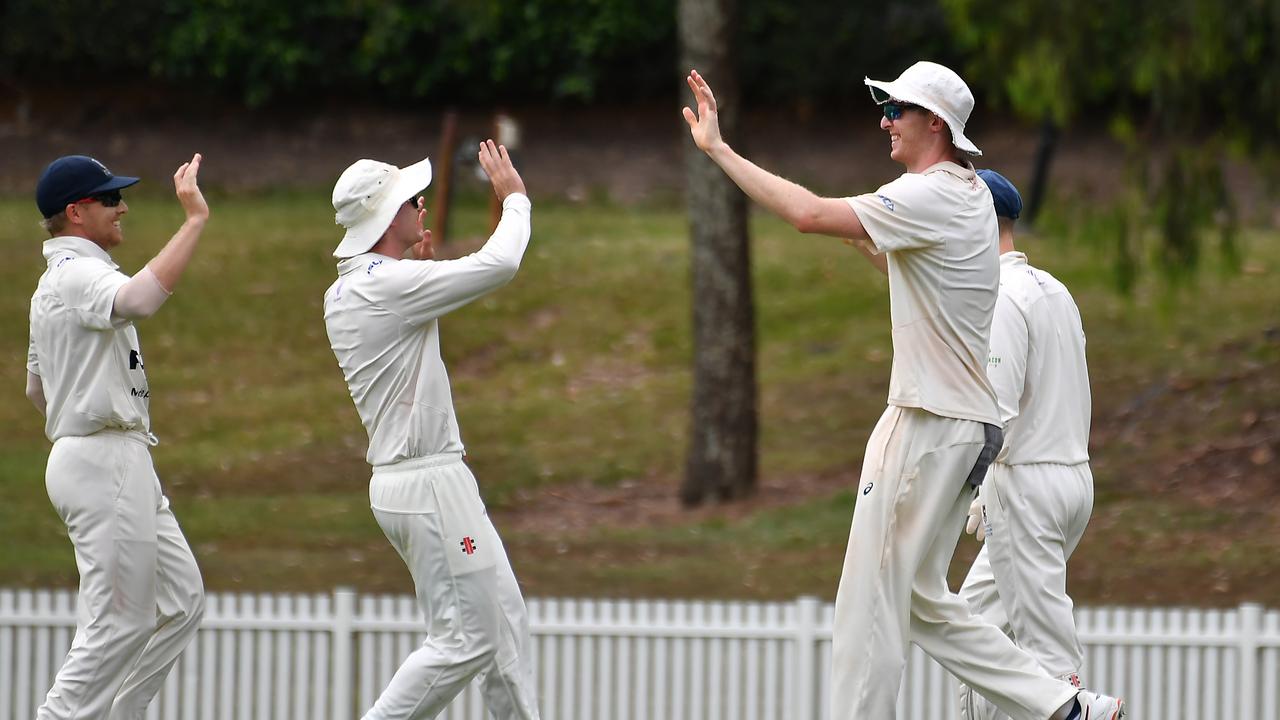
<point>413,203</point>
<point>110,198</point>
<point>894,109</point>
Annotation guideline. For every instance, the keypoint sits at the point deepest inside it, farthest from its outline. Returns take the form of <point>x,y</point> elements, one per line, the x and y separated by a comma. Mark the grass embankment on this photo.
<point>575,377</point>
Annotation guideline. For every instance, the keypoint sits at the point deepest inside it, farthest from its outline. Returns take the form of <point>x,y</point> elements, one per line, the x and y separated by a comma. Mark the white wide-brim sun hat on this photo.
<point>936,88</point>
<point>367,197</point>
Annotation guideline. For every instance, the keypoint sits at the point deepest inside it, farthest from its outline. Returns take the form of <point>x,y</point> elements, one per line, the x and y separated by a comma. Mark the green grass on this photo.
<point>578,373</point>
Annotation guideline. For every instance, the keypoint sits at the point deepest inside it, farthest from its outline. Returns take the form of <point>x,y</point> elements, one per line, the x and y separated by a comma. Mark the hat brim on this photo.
<point>360,237</point>
<point>116,182</point>
<point>883,91</point>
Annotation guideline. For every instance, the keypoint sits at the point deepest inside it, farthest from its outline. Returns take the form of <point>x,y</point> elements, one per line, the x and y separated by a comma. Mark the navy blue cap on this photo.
<point>1005,196</point>
<point>74,177</point>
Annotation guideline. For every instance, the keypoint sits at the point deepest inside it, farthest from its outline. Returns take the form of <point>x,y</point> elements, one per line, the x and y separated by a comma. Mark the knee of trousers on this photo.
<point>130,636</point>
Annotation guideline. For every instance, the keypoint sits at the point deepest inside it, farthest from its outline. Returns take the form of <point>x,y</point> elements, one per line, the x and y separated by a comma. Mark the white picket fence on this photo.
<point>283,657</point>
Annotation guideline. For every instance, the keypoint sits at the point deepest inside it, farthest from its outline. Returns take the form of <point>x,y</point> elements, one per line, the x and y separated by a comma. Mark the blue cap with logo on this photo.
<point>1003,194</point>
<point>74,177</point>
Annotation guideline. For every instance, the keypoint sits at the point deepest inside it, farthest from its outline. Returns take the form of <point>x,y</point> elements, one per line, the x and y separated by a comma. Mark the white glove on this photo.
<point>975,526</point>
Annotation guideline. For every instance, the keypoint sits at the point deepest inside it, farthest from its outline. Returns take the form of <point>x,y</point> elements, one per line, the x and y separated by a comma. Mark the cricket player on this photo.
<point>1038,493</point>
<point>933,232</point>
<point>141,597</point>
<point>382,316</point>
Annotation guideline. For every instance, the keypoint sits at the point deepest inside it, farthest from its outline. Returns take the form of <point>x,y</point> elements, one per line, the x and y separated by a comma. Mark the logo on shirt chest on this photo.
<point>135,360</point>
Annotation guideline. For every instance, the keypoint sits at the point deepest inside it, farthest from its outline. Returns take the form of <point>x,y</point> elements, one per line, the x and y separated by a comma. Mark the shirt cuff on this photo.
<point>517,200</point>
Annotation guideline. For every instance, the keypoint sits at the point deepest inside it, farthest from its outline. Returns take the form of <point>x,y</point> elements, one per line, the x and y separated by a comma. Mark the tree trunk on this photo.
<point>1040,171</point>
<point>722,448</point>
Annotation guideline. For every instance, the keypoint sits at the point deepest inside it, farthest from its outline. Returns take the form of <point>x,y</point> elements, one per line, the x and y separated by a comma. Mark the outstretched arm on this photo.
<point>435,288</point>
<point>143,295</point>
<point>169,264</point>
<point>802,209</point>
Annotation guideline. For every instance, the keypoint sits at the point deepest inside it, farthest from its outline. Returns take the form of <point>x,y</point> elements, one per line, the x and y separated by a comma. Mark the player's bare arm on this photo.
<point>169,264</point>
<point>35,392</point>
<point>867,249</point>
<point>794,203</point>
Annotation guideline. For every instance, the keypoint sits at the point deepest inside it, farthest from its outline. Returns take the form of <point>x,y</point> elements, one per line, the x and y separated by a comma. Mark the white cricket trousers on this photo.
<point>1035,515</point>
<point>141,597</point>
<point>477,625</point>
<point>912,502</point>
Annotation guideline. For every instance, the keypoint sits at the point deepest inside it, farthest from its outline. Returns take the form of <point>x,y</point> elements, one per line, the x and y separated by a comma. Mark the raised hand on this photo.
<point>188,189</point>
<point>497,165</point>
<point>423,249</point>
<point>705,124</point>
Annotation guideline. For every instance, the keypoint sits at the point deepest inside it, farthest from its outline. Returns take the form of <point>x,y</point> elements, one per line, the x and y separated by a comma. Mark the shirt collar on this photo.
<point>82,247</point>
<point>964,172</point>
<point>1012,258</point>
<point>363,261</point>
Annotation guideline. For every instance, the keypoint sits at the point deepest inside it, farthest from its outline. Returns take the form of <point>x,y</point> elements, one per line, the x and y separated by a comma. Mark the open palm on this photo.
<point>705,124</point>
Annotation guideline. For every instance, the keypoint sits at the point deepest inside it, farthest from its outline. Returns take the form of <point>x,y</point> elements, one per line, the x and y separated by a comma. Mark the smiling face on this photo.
<point>96,222</point>
<point>910,135</point>
<point>918,138</point>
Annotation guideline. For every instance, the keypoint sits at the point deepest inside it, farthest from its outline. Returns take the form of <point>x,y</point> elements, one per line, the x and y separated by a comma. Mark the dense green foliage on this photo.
<point>1184,84</point>
<point>456,50</point>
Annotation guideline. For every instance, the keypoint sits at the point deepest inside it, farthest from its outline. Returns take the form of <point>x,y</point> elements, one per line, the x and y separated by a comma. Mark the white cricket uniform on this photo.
<point>382,318</point>
<point>1039,494</point>
<point>940,236</point>
<point>141,597</point>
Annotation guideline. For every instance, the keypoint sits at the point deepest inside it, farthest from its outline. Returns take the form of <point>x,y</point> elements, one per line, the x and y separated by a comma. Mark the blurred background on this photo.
<point>1143,135</point>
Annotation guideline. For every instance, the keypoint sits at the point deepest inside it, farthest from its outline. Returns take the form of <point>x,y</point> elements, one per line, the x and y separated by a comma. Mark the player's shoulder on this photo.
<point>1027,285</point>
<point>68,270</point>
<point>910,194</point>
<point>908,184</point>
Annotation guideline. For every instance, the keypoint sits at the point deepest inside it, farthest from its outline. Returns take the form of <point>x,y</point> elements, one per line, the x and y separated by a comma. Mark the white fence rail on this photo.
<point>285,657</point>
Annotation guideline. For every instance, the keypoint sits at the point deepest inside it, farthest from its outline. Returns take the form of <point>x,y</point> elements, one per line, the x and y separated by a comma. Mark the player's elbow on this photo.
<point>807,220</point>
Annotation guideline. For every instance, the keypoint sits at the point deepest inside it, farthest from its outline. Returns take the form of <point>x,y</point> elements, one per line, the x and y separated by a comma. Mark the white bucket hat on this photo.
<point>936,88</point>
<point>367,196</point>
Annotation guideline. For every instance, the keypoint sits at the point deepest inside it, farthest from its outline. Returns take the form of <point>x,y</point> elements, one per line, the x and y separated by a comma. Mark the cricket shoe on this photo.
<point>1100,707</point>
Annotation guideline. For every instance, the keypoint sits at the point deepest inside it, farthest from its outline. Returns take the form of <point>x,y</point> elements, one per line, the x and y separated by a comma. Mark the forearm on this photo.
<point>788,200</point>
<point>804,210</point>
<point>169,264</point>
<point>35,392</point>
<point>864,246</point>
<point>510,238</point>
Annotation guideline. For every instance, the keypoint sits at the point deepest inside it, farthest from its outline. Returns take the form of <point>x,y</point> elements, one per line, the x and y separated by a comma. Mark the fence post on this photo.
<point>1250,628</point>
<point>344,607</point>
<point>806,642</point>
